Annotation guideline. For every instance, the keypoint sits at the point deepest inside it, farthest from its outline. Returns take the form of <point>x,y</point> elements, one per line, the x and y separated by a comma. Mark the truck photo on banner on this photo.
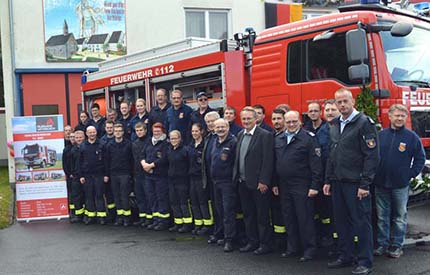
<point>41,191</point>
<point>84,30</point>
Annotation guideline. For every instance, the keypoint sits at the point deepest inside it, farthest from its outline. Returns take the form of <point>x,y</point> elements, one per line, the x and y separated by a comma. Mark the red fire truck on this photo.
<point>296,63</point>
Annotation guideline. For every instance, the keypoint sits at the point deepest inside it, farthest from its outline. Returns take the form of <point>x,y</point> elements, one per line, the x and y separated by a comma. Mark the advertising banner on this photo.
<point>84,30</point>
<point>41,190</point>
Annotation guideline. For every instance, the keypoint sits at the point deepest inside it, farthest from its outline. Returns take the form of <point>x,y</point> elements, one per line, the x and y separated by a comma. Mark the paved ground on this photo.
<point>57,247</point>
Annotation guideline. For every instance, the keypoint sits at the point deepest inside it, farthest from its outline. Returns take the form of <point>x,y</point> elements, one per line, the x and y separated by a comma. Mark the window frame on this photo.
<point>207,21</point>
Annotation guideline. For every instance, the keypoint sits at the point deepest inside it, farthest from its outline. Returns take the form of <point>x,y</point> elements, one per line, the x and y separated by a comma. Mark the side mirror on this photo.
<point>356,46</point>
<point>401,29</point>
<point>359,73</point>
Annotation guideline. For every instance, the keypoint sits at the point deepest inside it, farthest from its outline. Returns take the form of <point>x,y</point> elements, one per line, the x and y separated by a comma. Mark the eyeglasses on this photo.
<point>202,99</point>
<point>174,98</point>
<point>291,122</point>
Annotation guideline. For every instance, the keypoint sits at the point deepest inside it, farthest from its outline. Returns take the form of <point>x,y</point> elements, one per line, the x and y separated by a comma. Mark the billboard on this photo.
<point>84,30</point>
<point>41,190</point>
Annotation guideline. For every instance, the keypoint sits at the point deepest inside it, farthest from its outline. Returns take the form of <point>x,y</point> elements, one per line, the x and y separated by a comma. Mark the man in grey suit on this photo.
<point>253,169</point>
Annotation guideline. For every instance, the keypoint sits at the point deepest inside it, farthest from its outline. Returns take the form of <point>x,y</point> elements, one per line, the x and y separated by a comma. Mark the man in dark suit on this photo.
<point>252,172</point>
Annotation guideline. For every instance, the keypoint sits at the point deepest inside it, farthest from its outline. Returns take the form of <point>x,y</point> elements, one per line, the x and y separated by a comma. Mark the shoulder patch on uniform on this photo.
<point>370,120</point>
<point>318,152</point>
<point>371,143</point>
<point>311,134</point>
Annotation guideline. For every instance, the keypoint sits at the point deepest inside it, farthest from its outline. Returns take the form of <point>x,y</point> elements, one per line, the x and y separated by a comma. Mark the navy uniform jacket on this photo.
<point>179,120</point>
<point>398,148</point>
<point>310,128</point>
<point>195,159</point>
<point>135,120</point>
<point>298,164</point>
<point>100,126</point>
<point>138,148</point>
<point>196,117</point>
<point>235,129</point>
<point>66,159</point>
<point>323,137</point>
<point>354,154</point>
<point>105,139</point>
<point>222,160</point>
<point>126,123</point>
<point>119,157</point>
<point>93,159</point>
<point>208,144</point>
<point>178,161</point>
<point>83,127</point>
<point>157,154</point>
<point>75,157</point>
<point>266,127</point>
<point>158,115</point>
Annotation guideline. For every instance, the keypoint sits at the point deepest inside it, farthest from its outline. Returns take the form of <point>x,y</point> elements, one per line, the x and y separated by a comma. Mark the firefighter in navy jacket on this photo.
<point>76,193</point>
<point>351,166</point>
<point>155,165</point>
<point>138,147</point>
<point>94,174</point>
<point>402,158</point>
<point>179,186</point>
<point>299,171</point>
<point>222,162</point>
<point>120,162</point>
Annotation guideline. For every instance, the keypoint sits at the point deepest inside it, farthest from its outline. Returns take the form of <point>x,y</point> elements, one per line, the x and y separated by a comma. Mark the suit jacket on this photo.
<point>258,159</point>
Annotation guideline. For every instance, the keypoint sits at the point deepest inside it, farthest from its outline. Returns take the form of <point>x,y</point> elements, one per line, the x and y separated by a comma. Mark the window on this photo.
<point>212,24</point>
<point>327,59</point>
<point>294,62</point>
<point>39,110</point>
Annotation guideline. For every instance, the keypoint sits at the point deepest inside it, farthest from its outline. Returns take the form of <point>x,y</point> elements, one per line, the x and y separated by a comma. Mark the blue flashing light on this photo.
<point>365,2</point>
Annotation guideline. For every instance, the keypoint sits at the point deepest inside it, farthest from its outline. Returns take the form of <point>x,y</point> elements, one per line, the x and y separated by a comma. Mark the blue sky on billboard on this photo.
<point>109,14</point>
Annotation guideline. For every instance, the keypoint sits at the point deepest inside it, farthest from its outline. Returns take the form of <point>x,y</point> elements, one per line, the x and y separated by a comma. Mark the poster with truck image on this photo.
<point>41,190</point>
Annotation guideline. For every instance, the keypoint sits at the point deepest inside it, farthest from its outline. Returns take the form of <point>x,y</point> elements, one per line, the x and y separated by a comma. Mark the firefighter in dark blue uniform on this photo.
<point>76,192</point>
<point>208,144</point>
<point>351,167</point>
<point>178,116</point>
<point>155,165</point>
<point>125,119</point>
<point>145,215</point>
<point>159,111</point>
<point>230,116</point>
<point>222,162</point>
<point>110,202</point>
<point>93,173</point>
<point>278,121</point>
<point>141,116</point>
<point>69,143</point>
<point>179,186</point>
<point>261,114</point>
<point>120,162</point>
<point>203,219</point>
<point>97,120</point>
<point>198,115</point>
<point>299,171</point>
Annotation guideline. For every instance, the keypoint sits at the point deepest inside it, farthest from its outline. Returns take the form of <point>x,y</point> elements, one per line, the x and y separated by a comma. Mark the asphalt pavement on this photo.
<point>58,247</point>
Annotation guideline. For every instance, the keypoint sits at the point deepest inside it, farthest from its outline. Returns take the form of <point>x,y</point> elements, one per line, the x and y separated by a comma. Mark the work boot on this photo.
<point>126,221</point>
<point>174,228</point>
<point>161,227</point>
<point>139,222</point>
<point>152,226</point>
<point>75,219</point>
<point>118,221</point>
<point>204,230</point>
<point>102,220</point>
<point>380,251</point>
<point>147,223</point>
<point>185,228</point>
<point>88,220</point>
<point>196,229</point>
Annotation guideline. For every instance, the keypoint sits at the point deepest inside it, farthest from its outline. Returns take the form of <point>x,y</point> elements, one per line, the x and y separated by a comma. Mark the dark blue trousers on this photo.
<point>139,192</point>
<point>157,192</point>
<point>225,202</point>
<point>353,217</point>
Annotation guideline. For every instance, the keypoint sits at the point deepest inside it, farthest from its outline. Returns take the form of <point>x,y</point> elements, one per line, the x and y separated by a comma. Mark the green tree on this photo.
<point>365,103</point>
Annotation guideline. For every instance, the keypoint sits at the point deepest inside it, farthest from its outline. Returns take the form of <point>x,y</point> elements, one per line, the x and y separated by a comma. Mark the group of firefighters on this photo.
<point>312,181</point>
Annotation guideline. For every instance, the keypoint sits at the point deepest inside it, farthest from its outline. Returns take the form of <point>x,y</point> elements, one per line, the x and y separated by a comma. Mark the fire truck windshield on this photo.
<point>408,57</point>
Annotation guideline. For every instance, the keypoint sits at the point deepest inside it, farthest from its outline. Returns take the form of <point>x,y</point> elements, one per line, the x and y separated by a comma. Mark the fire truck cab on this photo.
<point>372,45</point>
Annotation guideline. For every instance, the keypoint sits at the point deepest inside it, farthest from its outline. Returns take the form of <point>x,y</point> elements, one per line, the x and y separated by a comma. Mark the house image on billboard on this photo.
<point>97,41</point>
<point>82,44</point>
<point>61,46</point>
<point>115,40</point>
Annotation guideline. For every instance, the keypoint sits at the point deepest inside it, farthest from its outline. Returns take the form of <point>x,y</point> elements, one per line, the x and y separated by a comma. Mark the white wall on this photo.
<point>149,23</point>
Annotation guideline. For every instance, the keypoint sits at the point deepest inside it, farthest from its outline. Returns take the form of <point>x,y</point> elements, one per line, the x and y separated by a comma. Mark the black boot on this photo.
<point>196,229</point>
<point>118,221</point>
<point>147,223</point>
<point>185,228</point>
<point>204,231</point>
<point>126,221</point>
<point>102,220</point>
<point>174,228</point>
